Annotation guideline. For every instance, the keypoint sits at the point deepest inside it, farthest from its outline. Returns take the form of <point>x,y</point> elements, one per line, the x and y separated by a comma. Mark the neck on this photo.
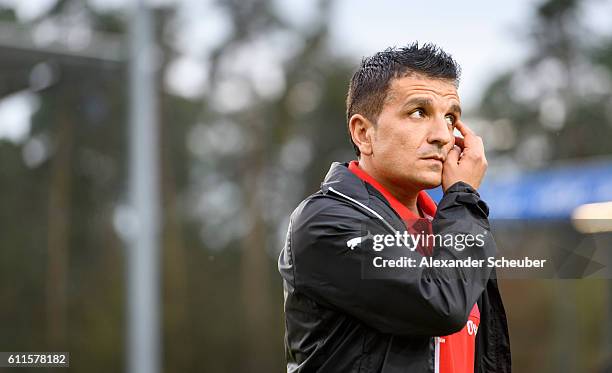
<point>407,196</point>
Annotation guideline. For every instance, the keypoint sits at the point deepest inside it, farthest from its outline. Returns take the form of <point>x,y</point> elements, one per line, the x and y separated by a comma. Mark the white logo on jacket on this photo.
<point>353,242</point>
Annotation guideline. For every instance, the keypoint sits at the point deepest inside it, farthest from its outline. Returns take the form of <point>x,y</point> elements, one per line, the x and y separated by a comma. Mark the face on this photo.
<point>414,132</point>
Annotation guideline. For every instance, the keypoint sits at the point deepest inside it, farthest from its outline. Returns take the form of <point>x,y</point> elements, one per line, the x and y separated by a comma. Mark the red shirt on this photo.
<point>456,351</point>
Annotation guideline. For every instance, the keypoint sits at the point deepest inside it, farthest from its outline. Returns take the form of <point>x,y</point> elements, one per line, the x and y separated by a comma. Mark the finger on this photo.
<point>459,142</point>
<point>470,139</point>
<point>464,129</point>
<point>453,155</point>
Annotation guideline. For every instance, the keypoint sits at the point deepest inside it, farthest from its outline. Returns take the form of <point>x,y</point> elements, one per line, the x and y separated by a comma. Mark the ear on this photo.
<point>362,133</point>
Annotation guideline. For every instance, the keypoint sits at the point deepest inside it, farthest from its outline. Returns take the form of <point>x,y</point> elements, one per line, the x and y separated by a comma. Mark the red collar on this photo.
<point>424,201</point>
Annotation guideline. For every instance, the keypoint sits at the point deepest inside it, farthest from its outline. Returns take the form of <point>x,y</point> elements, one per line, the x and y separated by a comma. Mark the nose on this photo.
<point>439,132</point>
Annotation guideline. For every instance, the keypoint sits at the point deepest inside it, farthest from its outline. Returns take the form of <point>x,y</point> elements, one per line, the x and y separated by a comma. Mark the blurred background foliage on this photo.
<point>238,151</point>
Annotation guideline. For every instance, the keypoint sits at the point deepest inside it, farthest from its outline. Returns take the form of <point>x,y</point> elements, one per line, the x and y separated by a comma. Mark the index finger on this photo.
<point>464,129</point>
<point>470,139</point>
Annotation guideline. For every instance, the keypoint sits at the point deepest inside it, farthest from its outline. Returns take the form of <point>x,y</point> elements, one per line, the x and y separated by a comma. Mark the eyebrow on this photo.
<point>455,108</point>
<point>426,102</point>
<point>417,101</point>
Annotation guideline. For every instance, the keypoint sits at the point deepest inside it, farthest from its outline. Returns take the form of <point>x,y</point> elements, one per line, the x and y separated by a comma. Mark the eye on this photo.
<point>450,119</point>
<point>417,114</point>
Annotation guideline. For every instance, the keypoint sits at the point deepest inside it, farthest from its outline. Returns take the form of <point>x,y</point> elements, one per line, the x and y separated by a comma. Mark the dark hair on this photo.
<point>370,83</point>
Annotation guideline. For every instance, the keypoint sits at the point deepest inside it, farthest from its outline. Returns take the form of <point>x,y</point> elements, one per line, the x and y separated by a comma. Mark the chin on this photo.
<point>424,179</point>
<point>431,181</point>
<point>431,185</point>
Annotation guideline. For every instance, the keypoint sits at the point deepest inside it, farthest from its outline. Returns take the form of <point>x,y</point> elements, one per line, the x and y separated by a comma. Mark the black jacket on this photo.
<point>344,315</point>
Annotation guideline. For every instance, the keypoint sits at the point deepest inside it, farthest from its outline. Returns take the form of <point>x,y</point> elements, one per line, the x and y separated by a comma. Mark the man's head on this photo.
<point>402,106</point>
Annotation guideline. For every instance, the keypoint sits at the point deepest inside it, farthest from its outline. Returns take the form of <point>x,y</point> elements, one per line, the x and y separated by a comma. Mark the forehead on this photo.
<point>406,87</point>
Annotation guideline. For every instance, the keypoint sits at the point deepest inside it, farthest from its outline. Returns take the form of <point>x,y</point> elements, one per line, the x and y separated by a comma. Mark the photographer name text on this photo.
<point>430,262</point>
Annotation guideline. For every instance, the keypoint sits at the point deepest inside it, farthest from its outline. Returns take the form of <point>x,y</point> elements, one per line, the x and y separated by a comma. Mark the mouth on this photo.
<point>435,157</point>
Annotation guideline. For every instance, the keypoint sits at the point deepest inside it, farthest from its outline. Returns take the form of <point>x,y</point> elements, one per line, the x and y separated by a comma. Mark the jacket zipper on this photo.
<point>437,355</point>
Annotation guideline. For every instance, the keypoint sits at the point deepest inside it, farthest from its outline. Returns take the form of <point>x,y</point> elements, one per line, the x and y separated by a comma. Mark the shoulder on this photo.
<point>321,230</point>
<point>319,210</point>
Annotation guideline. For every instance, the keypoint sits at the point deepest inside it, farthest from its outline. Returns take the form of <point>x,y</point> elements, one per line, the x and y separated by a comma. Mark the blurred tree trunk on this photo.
<point>176,317</point>
<point>255,267</point>
<point>59,226</point>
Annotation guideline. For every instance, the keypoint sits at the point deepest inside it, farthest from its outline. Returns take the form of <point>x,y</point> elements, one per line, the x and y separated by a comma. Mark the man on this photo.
<point>353,306</point>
